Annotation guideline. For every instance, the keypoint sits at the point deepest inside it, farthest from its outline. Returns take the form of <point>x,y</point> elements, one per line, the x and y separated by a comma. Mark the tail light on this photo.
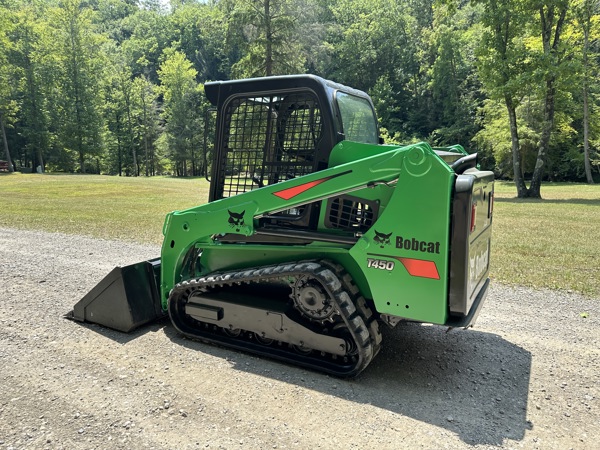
<point>473,216</point>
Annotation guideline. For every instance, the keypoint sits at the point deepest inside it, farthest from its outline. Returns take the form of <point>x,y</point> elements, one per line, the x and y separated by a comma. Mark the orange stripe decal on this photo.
<point>420,268</point>
<point>289,193</point>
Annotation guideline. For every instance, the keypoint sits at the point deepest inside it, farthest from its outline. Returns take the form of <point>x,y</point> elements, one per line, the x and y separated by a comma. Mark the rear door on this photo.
<point>471,235</point>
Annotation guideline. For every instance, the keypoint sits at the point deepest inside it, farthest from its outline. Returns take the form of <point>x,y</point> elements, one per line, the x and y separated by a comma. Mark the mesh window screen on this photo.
<point>351,213</point>
<point>270,139</point>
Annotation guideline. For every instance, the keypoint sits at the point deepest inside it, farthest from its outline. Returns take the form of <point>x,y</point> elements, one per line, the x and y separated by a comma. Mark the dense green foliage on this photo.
<point>115,86</point>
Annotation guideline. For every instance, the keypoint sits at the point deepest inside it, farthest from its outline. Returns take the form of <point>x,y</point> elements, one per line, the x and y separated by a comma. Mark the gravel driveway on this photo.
<point>527,376</point>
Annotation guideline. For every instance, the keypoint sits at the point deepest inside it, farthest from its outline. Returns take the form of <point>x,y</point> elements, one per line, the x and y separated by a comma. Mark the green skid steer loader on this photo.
<point>314,233</point>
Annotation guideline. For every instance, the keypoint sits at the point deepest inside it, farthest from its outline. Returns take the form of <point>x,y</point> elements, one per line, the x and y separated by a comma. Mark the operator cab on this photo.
<point>277,128</point>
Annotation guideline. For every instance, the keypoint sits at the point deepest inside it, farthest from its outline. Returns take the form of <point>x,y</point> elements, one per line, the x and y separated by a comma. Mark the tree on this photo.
<point>200,31</point>
<point>120,114</point>
<point>502,60</point>
<point>149,34</point>
<point>77,49</point>
<point>30,60</point>
<point>587,13</point>
<point>179,88</point>
<point>455,89</point>
<point>110,18</point>
<point>371,40</point>
<point>7,104</point>
<point>521,61</point>
<point>144,94</point>
<point>552,16</point>
<point>131,114</point>
<point>265,30</point>
<point>125,84</point>
<point>373,48</point>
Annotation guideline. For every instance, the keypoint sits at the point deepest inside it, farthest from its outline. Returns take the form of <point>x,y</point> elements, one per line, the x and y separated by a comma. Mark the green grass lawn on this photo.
<point>553,243</point>
<point>100,206</point>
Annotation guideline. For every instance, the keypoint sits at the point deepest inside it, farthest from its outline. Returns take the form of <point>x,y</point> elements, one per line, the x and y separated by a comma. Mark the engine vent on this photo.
<point>351,213</point>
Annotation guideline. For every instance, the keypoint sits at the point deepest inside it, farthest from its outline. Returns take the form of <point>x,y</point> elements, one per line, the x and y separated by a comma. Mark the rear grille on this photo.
<point>351,213</point>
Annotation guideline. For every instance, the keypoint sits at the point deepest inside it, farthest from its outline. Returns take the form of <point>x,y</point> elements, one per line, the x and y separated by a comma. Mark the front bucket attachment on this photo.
<point>127,298</point>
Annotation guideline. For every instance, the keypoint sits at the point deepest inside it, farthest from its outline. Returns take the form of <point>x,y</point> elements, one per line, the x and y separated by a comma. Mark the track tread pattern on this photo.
<point>359,320</point>
<point>361,305</point>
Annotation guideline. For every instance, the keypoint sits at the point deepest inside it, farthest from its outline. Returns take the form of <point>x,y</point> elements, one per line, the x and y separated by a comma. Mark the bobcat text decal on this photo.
<point>478,264</point>
<point>416,245</point>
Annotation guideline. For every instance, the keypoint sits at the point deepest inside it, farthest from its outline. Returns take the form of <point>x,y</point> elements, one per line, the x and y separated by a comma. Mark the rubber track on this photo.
<point>358,318</point>
<point>360,303</point>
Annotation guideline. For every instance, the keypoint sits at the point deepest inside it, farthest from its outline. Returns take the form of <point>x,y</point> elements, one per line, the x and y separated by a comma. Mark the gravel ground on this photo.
<point>527,376</point>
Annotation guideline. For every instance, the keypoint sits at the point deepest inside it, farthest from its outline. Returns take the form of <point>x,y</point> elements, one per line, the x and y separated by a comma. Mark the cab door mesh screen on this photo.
<point>269,139</point>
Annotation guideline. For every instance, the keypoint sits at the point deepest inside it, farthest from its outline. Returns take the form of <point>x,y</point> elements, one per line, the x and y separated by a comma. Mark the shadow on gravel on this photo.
<point>120,337</point>
<point>471,383</point>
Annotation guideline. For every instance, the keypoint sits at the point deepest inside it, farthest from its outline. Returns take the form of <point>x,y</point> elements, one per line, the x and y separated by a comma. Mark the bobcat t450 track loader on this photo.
<point>313,235</point>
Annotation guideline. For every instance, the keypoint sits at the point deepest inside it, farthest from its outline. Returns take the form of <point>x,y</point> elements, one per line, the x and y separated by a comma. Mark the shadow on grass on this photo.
<point>565,201</point>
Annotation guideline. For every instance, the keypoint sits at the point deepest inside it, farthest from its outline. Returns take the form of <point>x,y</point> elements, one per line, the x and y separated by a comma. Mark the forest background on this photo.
<point>116,86</point>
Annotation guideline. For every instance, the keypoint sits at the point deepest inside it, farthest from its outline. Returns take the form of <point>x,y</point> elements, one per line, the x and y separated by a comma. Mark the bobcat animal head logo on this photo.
<point>236,220</point>
<point>382,239</point>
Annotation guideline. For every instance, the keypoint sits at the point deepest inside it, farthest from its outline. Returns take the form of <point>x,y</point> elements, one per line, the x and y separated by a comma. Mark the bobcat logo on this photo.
<point>382,239</point>
<point>236,220</point>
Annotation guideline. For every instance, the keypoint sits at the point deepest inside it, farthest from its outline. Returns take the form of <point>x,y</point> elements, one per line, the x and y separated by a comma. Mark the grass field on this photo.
<point>553,243</point>
<point>100,206</point>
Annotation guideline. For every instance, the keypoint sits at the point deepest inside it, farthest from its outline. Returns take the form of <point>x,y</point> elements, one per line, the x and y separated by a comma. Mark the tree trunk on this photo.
<point>78,117</point>
<point>119,157</point>
<point>79,124</point>
<point>542,156</point>
<point>586,136</point>
<point>550,40</point>
<point>515,147</point>
<point>119,151</point>
<point>269,40</point>
<point>41,160</point>
<point>586,109</point>
<point>11,168</point>
<point>146,151</point>
<point>145,119</point>
<point>127,95</point>
<point>136,171</point>
<point>36,115</point>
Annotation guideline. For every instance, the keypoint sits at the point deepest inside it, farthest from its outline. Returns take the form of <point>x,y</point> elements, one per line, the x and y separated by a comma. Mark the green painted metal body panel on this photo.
<point>414,187</point>
<point>416,223</point>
